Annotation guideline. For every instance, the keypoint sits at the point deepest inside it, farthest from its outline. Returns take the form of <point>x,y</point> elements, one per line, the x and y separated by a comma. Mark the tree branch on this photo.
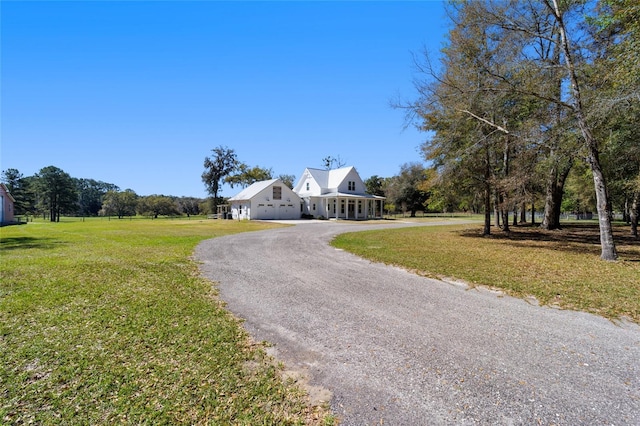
<point>502,129</point>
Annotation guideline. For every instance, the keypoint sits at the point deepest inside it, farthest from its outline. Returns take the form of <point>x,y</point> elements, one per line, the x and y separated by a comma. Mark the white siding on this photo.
<point>257,202</point>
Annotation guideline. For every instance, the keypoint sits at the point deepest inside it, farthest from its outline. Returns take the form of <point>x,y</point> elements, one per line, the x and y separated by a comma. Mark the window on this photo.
<point>359,207</point>
<point>341,206</point>
<point>277,193</point>
<point>314,207</point>
<point>351,185</point>
<point>307,186</point>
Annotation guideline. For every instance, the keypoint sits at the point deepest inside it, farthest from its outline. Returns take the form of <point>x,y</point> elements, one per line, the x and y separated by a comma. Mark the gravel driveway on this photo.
<point>393,348</point>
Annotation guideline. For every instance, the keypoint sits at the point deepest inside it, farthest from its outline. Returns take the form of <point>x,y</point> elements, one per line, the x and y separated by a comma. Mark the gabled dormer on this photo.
<point>346,181</point>
<point>315,182</point>
<point>312,182</point>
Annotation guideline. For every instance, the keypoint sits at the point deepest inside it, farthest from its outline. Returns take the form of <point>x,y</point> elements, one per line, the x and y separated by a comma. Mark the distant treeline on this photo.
<point>52,192</point>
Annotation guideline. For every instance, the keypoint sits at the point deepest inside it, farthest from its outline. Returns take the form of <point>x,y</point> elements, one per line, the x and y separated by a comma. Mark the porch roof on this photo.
<point>336,194</point>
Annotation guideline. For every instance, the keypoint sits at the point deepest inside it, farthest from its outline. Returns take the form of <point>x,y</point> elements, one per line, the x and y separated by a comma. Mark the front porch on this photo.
<point>350,207</point>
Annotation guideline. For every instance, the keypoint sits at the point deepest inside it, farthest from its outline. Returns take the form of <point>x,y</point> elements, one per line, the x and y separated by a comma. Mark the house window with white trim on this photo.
<point>307,186</point>
<point>341,206</point>
<point>351,185</point>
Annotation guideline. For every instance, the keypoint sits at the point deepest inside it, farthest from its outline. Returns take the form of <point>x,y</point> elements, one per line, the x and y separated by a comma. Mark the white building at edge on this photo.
<point>267,199</point>
<point>327,194</point>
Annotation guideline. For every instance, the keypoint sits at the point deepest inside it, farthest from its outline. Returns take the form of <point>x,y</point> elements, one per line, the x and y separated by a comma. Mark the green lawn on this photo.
<point>105,322</point>
<point>562,268</point>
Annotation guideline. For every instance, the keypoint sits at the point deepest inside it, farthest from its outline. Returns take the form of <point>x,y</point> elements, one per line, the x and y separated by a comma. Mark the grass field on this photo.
<point>560,268</point>
<point>105,322</point>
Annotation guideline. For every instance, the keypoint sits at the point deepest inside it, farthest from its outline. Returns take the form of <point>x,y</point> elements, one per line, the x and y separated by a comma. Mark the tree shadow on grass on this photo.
<point>577,238</point>
<point>14,243</point>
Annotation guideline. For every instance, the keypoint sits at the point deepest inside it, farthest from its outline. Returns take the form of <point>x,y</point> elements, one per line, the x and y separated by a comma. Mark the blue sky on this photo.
<point>137,93</point>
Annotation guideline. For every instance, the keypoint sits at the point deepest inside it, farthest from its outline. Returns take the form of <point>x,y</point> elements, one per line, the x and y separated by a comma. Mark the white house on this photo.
<point>338,193</point>
<point>267,199</point>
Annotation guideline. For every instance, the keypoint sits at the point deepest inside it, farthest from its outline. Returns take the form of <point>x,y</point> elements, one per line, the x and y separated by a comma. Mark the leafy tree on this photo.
<point>57,191</point>
<point>90,193</point>
<point>189,205</point>
<point>482,128</point>
<point>615,80</point>
<point>288,180</point>
<point>621,155</point>
<point>223,162</point>
<point>634,208</point>
<point>21,189</point>
<point>206,207</point>
<point>569,43</point>
<point>119,203</point>
<point>12,178</point>
<point>246,175</point>
<point>619,21</point>
<point>408,188</point>
<point>579,197</point>
<point>449,195</point>
<point>522,71</point>
<point>157,205</point>
<point>374,185</point>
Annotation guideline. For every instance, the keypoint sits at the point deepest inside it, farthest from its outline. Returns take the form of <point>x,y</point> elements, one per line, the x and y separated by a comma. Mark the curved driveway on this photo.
<point>398,349</point>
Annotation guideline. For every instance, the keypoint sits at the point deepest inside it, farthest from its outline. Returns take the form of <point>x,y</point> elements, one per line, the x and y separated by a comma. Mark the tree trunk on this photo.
<point>634,213</point>
<point>606,231</point>
<point>559,192</point>
<point>550,221</point>
<point>487,195</point>
<point>505,219</point>
<point>533,213</point>
<point>496,208</point>
<point>626,212</point>
<point>52,208</point>
<point>504,198</point>
<point>487,210</point>
<point>523,213</point>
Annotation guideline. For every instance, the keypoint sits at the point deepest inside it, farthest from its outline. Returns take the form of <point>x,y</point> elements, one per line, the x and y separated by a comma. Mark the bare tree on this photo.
<point>330,162</point>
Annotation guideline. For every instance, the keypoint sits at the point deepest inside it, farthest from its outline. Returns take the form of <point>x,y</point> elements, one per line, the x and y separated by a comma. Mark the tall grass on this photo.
<point>562,268</point>
<point>105,322</point>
